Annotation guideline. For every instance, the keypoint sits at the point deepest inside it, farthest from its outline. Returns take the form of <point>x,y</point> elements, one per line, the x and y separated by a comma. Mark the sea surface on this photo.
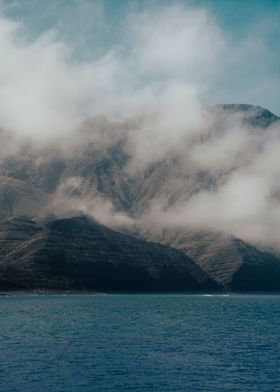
<point>89,343</point>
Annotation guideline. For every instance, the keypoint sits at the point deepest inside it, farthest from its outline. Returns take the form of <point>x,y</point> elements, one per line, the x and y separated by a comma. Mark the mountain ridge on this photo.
<point>78,253</point>
<point>95,182</point>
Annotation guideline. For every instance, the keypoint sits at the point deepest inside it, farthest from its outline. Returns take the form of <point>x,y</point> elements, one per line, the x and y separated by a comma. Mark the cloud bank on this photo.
<point>160,73</point>
<point>160,68</point>
<point>242,197</point>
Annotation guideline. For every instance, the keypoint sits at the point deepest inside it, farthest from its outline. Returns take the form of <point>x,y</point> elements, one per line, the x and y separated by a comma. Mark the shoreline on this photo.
<point>102,293</point>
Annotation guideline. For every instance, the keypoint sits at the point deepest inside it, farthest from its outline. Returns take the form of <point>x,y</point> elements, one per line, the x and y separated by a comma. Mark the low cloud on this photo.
<point>76,195</point>
<point>243,195</point>
<point>52,94</point>
<point>148,92</point>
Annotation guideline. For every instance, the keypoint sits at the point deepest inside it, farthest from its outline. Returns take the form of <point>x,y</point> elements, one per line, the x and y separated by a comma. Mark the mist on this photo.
<point>153,89</point>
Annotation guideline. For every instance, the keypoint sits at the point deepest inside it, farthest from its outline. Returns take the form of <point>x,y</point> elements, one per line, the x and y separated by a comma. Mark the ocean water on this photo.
<point>140,343</point>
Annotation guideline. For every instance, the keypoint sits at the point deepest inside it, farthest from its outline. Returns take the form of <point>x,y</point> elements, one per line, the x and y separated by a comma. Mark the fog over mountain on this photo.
<point>132,140</point>
<point>224,177</point>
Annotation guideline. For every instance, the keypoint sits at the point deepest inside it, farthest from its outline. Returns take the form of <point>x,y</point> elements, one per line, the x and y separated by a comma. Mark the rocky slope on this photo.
<point>77,253</point>
<point>234,264</point>
<point>17,198</point>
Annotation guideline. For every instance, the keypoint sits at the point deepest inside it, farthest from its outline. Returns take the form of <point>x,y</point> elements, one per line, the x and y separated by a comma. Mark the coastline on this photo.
<point>131,293</point>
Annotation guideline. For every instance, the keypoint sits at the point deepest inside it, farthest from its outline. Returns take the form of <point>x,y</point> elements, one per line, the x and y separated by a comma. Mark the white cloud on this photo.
<point>176,41</point>
<point>44,92</point>
<point>76,195</point>
<point>160,73</point>
<point>245,200</point>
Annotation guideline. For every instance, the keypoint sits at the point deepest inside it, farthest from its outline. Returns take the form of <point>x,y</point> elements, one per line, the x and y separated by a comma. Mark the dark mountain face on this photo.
<point>78,253</point>
<point>44,190</point>
<point>232,263</point>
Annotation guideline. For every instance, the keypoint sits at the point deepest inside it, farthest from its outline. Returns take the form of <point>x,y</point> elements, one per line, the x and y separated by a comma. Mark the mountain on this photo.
<point>78,253</point>
<point>41,191</point>
<point>19,198</point>
<point>255,116</point>
<point>234,264</point>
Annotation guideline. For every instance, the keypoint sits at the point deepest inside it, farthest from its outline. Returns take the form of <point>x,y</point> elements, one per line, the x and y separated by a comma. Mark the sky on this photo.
<point>250,68</point>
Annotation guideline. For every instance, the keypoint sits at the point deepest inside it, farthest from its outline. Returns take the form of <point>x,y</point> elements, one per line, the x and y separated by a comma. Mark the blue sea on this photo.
<point>88,343</point>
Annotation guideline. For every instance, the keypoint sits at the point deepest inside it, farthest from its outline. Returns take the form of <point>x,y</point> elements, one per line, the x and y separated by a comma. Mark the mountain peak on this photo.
<point>255,116</point>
